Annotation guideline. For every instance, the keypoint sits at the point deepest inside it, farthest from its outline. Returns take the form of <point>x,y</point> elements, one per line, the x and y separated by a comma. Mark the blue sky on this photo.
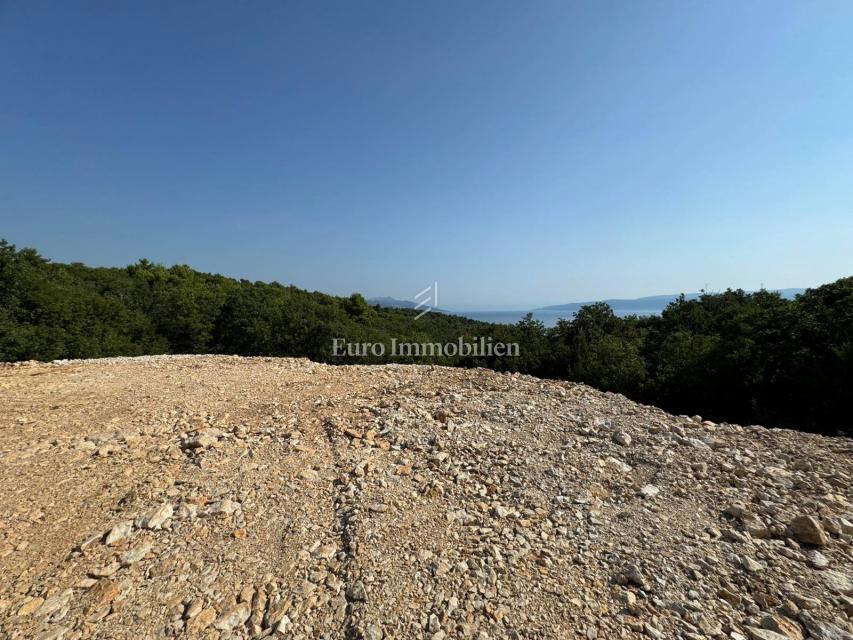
<point>521,154</point>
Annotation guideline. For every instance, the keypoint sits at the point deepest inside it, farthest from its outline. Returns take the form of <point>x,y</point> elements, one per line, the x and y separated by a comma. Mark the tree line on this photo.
<point>734,356</point>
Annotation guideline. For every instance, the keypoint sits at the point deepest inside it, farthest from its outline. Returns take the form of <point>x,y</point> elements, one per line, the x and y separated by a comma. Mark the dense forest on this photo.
<point>736,356</point>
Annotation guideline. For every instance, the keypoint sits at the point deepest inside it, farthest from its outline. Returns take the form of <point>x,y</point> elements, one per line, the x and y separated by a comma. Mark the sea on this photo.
<point>548,317</point>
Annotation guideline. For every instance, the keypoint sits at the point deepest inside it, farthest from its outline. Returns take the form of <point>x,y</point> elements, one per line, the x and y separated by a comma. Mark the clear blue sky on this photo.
<point>519,153</point>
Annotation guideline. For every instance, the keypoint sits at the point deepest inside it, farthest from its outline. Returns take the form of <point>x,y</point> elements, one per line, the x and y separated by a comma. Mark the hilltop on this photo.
<point>229,497</point>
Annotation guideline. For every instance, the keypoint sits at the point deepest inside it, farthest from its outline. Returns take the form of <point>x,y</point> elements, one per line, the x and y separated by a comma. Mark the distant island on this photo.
<point>651,304</point>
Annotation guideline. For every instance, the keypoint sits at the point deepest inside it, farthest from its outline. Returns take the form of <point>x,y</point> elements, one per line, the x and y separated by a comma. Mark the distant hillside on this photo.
<point>652,304</point>
<point>387,302</point>
<point>391,303</point>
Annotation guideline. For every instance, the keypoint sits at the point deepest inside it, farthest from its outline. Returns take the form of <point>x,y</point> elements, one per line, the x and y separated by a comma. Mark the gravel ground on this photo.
<point>227,497</point>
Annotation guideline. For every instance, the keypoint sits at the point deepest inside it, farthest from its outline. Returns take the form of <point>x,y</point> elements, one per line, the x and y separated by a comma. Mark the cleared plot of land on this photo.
<point>225,497</point>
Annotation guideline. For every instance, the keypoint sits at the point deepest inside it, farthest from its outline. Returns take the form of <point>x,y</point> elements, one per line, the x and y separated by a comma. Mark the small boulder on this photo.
<point>807,530</point>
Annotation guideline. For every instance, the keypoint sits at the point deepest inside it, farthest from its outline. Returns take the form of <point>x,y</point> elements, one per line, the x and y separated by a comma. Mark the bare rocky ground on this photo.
<point>225,497</point>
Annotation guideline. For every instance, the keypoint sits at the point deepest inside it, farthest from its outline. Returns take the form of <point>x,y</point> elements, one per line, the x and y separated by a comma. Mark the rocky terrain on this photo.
<point>226,497</point>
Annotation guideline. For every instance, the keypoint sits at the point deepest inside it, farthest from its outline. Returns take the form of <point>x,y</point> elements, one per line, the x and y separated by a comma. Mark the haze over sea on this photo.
<point>548,317</point>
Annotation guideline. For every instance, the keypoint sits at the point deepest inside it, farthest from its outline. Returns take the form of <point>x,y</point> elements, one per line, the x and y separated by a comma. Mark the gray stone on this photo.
<point>751,565</point>
<point>817,559</point>
<point>157,517</point>
<point>136,554</point>
<point>235,616</point>
<point>764,634</point>
<point>119,532</point>
<point>838,582</point>
<point>649,491</point>
<point>622,438</point>
<point>357,592</point>
<point>373,632</point>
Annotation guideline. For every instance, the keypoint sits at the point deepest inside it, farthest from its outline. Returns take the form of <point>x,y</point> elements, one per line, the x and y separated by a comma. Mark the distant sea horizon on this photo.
<point>548,317</point>
<point>622,307</point>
